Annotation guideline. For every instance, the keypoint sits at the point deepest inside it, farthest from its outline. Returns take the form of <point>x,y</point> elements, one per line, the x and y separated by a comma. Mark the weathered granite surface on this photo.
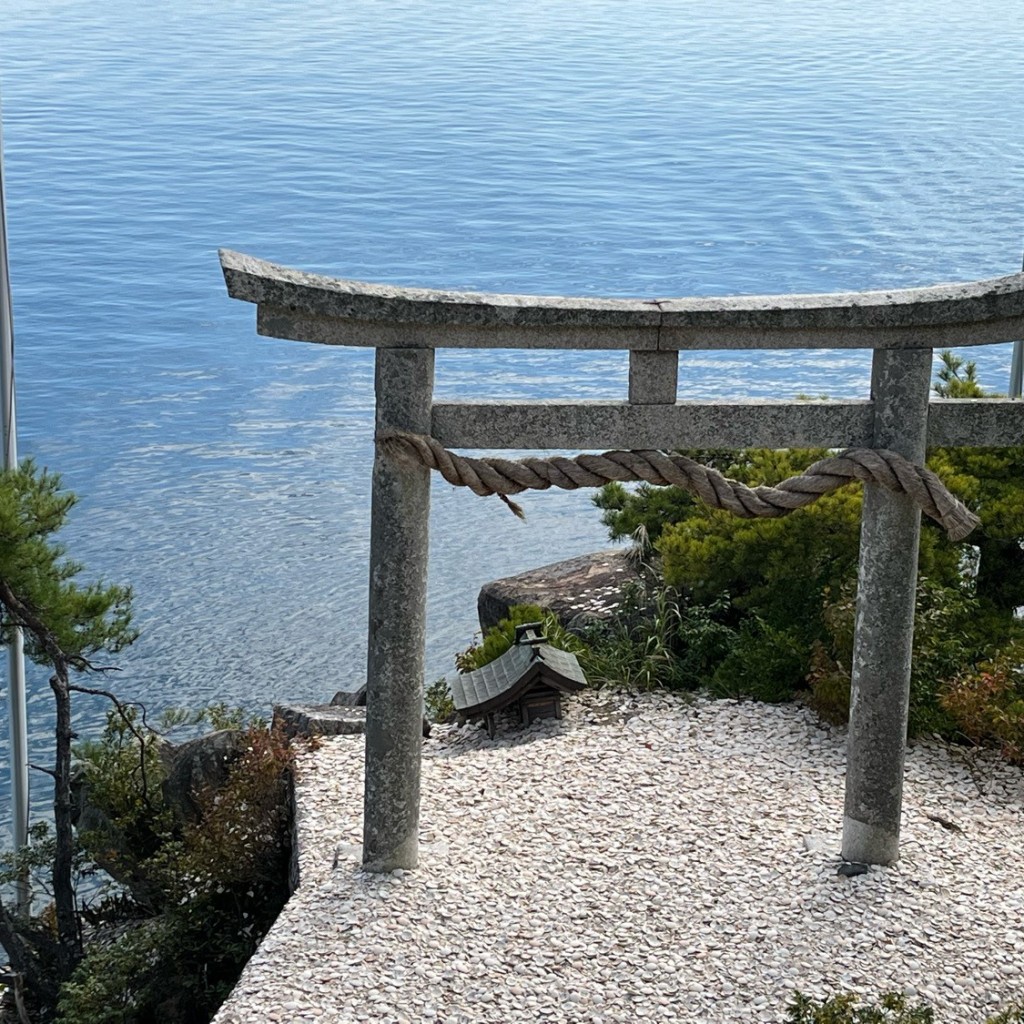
<point>196,766</point>
<point>344,716</point>
<point>589,586</point>
<point>710,424</point>
<point>319,719</point>
<point>589,425</point>
<point>311,307</point>
<point>350,698</point>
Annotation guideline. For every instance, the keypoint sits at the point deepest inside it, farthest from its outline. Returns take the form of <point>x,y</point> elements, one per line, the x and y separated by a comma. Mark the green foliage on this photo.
<point>991,482</point>
<point>648,506</point>
<point>35,862</point>
<point>123,772</point>
<point>774,571</point>
<point>639,648</point>
<point>656,640</point>
<point>653,508</point>
<point>210,887</point>
<point>217,716</point>
<point>891,1008</point>
<point>36,856</point>
<point>84,620</point>
<point>763,663</point>
<point>215,885</point>
<point>949,632</point>
<point>112,984</point>
<point>498,639</point>
<point>242,838</point>
<point>707,633</point>
<point>779,569</point>
<point>828,682</point>
<point>790,582</point>
<point>437,700</point>
<point>952,383</point>
<point>987,702</point>
<point>65,625</point>
<point>773,568</point>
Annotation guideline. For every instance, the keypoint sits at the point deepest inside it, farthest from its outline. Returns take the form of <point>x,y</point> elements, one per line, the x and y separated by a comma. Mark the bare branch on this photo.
<point>122,707</point>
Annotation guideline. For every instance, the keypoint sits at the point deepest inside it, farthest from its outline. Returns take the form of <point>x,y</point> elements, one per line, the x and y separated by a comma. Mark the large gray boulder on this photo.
<point>196,767</point>
<point>190,770</point>
<point>577,590</point>
<point>350,698</point>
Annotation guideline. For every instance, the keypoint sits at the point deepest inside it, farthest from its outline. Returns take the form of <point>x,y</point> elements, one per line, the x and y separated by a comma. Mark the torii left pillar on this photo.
<point>400,510</point>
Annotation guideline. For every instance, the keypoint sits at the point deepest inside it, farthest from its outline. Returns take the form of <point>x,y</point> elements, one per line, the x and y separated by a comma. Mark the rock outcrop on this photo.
<point>578,590</point>
<point>196,767</point>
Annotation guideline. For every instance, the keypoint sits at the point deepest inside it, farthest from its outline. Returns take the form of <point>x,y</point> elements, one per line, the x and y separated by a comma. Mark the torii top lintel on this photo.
<point>311,307</point>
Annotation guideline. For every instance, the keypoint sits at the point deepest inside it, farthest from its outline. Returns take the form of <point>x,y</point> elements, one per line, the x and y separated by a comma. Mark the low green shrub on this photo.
<point>987,702</point>
<point>763,663</point>
<point>891,1008</point>
<point>639,647</point>
<point>213,886</point>
<point>437,701</point>
<point>498,639</point>
<point>123,772</point>
<point>789,582</point>
<point>828,682</point>
<point>950,630</point>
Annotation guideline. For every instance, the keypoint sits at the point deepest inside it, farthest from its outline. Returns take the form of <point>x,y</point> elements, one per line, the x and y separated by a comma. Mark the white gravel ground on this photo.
<point>645,859</point>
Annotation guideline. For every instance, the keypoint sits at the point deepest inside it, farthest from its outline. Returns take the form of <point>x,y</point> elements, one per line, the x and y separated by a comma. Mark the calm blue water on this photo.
<point>613,148</point>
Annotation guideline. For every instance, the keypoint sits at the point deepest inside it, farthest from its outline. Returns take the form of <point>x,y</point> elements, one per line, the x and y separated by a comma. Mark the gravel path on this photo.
<point>645,859</point>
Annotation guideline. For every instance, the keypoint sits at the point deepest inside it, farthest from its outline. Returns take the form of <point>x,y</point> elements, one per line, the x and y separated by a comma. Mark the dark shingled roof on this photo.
<point>508,677</point>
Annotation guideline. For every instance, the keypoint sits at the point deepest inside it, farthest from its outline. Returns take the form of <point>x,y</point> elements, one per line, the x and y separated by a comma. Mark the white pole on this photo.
<point>1017,365</point>
<point>16,653</point>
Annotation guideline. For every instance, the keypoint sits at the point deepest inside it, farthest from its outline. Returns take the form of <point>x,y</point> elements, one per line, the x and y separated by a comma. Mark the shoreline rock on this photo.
<point>585,588</point>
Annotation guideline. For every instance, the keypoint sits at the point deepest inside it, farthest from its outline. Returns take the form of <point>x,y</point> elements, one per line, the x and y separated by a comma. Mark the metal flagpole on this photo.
<point>1017,365</point>
<point>16,653</point>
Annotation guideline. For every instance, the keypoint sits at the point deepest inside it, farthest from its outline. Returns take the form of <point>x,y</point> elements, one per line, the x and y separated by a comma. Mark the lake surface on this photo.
<point>585,147</point>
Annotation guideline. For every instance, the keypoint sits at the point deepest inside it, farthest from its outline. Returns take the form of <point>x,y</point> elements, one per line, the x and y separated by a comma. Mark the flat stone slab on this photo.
<point>326,719</point>
<point>581,588</point>
<point>320,719</point>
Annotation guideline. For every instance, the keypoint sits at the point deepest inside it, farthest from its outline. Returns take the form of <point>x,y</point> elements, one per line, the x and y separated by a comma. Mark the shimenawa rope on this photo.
<point>506,476</point>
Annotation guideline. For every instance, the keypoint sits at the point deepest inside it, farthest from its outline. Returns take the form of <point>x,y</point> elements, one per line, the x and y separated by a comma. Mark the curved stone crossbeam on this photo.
<point>310,307</point>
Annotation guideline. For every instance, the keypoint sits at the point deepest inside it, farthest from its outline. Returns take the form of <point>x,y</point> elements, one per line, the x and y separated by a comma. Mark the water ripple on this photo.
<point>596,147</point>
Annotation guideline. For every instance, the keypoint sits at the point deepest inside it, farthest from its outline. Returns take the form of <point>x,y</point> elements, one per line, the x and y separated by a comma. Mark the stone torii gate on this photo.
<point>406,325</point>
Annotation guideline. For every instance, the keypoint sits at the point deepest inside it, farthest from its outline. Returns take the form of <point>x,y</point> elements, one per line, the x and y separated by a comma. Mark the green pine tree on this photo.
<point>789,582</point>
<point>67,625</point>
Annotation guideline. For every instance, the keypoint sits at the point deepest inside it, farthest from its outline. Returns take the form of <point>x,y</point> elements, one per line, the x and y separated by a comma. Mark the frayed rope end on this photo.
<point>959,522</point>
<point>514,507</point>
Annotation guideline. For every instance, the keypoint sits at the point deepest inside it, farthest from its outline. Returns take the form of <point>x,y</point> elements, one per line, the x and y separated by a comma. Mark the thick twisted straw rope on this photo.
<point>505,476</point>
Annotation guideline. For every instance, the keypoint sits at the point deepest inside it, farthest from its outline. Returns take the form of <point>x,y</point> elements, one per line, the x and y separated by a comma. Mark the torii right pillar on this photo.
<point>884,632</point>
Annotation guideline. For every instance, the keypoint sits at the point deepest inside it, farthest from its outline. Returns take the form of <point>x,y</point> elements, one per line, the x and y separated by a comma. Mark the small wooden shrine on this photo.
<point>531,674</point>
